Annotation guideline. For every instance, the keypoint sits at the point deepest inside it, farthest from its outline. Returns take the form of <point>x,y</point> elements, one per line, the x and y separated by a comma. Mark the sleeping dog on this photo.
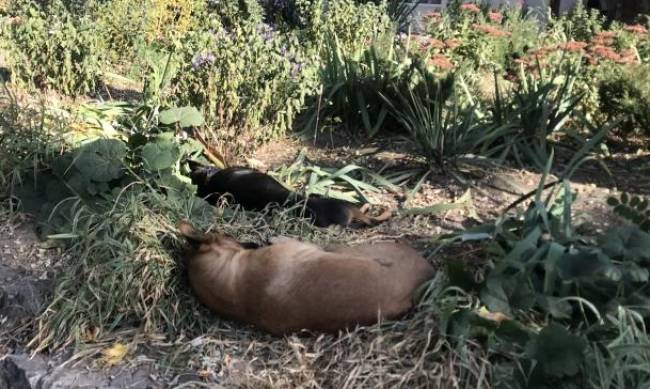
<point>290,285</point>
<point>255,190</point>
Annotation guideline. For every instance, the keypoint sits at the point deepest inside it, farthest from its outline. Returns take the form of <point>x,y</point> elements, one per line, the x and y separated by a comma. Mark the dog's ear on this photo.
<point>186,229</point>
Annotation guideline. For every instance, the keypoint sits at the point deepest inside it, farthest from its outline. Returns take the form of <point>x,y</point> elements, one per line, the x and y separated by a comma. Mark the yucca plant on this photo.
<point>536,110</point>
<point>353,84</point>
<point>439,125</point>
<point>400,11</point>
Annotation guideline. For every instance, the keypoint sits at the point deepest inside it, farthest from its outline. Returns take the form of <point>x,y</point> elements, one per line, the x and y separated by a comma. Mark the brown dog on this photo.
<point>290,285</point>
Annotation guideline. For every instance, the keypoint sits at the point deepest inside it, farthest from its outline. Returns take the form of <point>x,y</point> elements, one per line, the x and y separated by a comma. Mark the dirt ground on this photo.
<point>28,265</point>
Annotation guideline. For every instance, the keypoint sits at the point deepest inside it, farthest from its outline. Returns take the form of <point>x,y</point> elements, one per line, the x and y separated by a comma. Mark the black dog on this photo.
<point>255,190</point>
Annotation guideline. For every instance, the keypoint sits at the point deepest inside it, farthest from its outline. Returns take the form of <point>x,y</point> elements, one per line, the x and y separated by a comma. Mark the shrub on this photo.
<point>478,38</point>
<point>249,81</point>
<point>626,93</point>
<point>50,47</point>
<point>122,24</point>
<point>580,23</point>
<point>356,25</point>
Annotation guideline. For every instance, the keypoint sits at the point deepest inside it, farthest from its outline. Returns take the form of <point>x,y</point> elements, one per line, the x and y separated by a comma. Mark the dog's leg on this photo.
<point>282,239</point>
<point>384,216</point>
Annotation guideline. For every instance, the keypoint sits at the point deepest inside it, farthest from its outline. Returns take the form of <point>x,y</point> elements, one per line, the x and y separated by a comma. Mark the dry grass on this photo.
<point>407,353</point>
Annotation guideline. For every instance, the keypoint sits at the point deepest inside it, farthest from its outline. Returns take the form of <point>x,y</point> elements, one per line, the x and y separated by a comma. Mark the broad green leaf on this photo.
<point>101,160</point>
<point>626,243</point>
<point>184,116</point>
<point>581,265</point>
<point>160,155</point>
<point>558,352</point>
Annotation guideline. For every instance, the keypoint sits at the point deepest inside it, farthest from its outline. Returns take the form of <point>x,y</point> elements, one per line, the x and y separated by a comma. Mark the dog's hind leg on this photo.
<point>387,214</point>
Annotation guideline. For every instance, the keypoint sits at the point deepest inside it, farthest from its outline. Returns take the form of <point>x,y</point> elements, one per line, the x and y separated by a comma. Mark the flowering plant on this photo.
<point>249,81</point>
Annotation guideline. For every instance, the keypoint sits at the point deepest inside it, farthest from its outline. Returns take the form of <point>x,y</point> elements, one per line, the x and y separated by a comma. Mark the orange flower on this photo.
<point>470,7</point>
<point>491,30</point>
<point>433,44</point>
<point>441,62</point>
<point>453,43</point>
<point>572,46</point>
<point>433,16</point>
<point>495,16</point>
<point>605,38</point>
<point>636,29</point>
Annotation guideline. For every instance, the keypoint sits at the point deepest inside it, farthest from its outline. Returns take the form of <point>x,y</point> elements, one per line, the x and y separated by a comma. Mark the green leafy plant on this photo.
<point>626,93</point>
<point>50,47</point>
<point>541,270</point>
<point>351,182</point>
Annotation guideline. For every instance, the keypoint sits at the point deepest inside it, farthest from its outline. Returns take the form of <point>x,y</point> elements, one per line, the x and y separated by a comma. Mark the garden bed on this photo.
<point>515,160</point>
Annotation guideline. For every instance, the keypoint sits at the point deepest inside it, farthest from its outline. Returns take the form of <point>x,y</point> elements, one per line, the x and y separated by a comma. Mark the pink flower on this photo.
<point>495,17</point>
<point>604,52</point>
<point>441,62</point>
<point>491,30</point>
<point>470,7</point>
<point>636,29</point>
<point>434,44</point>
<point>627,56</point>
<point>572,46</point>
<point>605,38</point>
<point>433,16</point>
<point>453,43</point>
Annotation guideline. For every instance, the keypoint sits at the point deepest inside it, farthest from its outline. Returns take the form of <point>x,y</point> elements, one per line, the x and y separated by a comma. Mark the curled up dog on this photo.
<point>255,190</point>
<point>290,285</point>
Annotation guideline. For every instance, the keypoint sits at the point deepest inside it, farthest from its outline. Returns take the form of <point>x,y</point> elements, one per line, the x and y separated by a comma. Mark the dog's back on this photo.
<point>333,291</point>
<point>252,189</point>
